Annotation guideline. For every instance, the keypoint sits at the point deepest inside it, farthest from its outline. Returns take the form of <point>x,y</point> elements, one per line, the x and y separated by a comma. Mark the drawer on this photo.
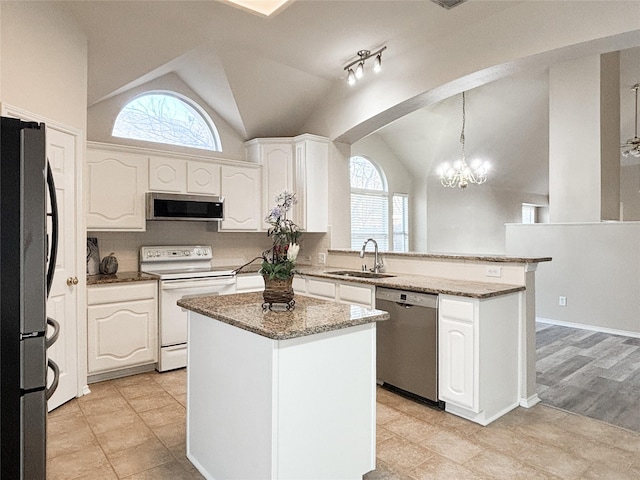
<point>249,283</point>
<point>321,289</point>
<point>353,294</point>
<point>123,292</point>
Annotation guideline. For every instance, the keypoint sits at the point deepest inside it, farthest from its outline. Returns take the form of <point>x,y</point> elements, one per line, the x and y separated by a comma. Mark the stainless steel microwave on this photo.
<point>169,206</point>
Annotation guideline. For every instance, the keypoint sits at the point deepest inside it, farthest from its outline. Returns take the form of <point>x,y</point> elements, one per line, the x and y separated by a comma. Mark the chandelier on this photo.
<point>460,174</point>
<point>363,55</point>
<point>632,147</point>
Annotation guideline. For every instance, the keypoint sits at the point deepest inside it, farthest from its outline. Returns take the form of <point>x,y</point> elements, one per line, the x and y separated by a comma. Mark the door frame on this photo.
<point>8,110</point>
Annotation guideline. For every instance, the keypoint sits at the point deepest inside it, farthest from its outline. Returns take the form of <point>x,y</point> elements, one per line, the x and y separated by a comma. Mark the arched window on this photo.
<point>165,117</point>
<point>369,204</point>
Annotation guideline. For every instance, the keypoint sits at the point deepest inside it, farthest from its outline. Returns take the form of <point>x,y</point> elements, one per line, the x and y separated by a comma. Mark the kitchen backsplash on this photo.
<point>229,248</point>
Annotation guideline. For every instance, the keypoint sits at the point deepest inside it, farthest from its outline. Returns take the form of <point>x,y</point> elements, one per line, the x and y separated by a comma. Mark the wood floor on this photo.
<point>590,373</point>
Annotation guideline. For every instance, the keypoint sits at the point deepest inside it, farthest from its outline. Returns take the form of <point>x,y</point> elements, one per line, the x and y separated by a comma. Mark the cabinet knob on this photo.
<point>72,281</point>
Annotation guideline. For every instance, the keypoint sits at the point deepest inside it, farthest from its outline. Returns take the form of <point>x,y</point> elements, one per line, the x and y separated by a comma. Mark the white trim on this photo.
<point>529,402</point>
<point>593,328</point>
<point>164,153</point>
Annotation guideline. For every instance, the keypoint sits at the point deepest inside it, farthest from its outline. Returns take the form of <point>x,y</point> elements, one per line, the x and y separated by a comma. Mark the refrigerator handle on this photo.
<point>56,331</point>
<point>54,227</point>
<point>56,376</point>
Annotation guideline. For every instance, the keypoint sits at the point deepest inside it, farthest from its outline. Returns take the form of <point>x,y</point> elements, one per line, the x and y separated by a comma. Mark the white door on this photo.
<point>63,298</point>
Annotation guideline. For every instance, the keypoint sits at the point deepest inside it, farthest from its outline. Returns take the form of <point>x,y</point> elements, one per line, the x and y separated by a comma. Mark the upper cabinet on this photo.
<point>175,175</point>
<point>117,183</point>
<point>241,192</point>
<point>312,182</point>
<point>276,157</point>
<point>299,164</point>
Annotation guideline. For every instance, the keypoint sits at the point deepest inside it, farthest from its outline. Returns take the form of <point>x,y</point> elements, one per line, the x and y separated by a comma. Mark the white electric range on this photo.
<point>184,271</point>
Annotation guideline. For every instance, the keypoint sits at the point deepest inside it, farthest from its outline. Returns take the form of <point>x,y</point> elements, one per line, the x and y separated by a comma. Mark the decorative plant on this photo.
<point>278,262</point>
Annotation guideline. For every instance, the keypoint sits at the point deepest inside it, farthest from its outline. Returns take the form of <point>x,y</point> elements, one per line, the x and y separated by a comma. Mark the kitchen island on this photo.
<point>280,395</point>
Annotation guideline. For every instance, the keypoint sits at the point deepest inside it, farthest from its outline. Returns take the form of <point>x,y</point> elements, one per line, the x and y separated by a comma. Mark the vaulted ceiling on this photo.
<point>265,76</point>
<point>262,75</point>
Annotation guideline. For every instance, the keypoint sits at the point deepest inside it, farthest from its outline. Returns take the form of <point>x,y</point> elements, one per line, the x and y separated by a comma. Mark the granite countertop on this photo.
<point>310,315</point>
<point>453,256</point>
<point>420,283</point>
<point>120,277</point>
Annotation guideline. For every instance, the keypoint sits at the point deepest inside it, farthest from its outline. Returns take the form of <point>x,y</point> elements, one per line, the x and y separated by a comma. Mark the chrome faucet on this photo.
<point>377,265</point>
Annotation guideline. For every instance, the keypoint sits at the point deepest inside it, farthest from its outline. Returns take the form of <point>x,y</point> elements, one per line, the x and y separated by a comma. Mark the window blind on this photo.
<point>369,219</point>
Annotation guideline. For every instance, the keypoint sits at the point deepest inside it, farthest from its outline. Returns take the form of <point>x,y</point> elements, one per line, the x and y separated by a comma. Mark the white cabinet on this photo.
<point>457,352</point>
<point>312,182</point>
<point>299,164</point>
<point>343,292</point>
<point>478,356</point>
<point>117,183</point>
<point>249,282</point>
<point>241,192</point>
<point>122,326</point>
<point>167,175</point>
<point>203,178</point>
<point>276,157</point>
<point>177,175</point>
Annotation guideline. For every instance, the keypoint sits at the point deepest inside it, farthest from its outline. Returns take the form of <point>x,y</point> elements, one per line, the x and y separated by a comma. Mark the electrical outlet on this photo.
<point>322,258</point>
<point>562,301</point>
<point>494,271</point>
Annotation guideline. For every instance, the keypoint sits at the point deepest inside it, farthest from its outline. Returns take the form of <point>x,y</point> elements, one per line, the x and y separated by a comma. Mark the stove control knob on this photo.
<point>187,253</point>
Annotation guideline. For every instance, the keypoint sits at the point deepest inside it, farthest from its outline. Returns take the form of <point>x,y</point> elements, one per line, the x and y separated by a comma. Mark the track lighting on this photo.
<point>377,63</point>
<point>363,56</point>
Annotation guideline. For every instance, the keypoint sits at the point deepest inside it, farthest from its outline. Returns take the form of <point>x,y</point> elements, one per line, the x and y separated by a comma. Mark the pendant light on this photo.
<point>460,174</point>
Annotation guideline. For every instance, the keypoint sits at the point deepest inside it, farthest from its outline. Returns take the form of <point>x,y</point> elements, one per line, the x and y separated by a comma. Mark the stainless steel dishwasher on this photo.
<point>407,343</point>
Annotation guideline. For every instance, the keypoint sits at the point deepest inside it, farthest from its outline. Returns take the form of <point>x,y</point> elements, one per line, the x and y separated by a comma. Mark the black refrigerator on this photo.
<point>28,245</point>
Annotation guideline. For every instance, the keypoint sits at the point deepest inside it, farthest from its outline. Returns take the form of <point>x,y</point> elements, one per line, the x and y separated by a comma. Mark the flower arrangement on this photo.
<point>278,262</point>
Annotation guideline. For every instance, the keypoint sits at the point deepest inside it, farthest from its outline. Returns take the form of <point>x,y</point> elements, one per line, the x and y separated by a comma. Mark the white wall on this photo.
<point>574,141</point>
<point>102,115</point>
<point>472,221</point>
<point>595,265</point>
<point>44,62</point>
<point>630,192</point>
<point>526,34</point>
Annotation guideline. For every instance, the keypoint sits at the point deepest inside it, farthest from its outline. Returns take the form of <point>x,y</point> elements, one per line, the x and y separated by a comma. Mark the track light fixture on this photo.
<point>363,56</point>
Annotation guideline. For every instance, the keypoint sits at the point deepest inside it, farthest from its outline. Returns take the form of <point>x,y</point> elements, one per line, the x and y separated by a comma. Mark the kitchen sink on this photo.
<point>360,274</point>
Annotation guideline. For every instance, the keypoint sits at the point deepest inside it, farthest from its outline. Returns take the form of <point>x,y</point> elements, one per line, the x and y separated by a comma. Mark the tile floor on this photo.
<point>590,373</point>
<point>133,428</point>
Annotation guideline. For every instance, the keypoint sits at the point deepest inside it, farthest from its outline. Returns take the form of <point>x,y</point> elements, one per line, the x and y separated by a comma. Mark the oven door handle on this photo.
<point>182,284</point>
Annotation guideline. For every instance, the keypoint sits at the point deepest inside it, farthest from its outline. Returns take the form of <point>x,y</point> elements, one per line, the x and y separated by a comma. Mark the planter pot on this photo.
<point>278,292</point>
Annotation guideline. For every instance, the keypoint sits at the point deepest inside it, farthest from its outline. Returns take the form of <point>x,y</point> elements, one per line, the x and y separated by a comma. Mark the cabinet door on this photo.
<point>117,184</point>
<point>249,283</point>
<point>122,335</point>
<point>277,173</point>
<point>203,178</point>
<point>312,183</point>
<point>320,289</point>
<point>457,376</point>
<point>240,187</point>
<point>167,175</point>
<point>354,294</point>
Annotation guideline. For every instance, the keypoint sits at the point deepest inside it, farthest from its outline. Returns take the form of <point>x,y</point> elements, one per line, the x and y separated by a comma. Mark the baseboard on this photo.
<point>530,402</point>
<point>593,328</point>
<point>125,372</point>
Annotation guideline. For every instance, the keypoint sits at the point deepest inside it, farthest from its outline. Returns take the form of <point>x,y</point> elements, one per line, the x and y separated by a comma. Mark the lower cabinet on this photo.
<point>249,282</point>
<point>478,356</point>
<point>343,292</point>
<point>122,326</point>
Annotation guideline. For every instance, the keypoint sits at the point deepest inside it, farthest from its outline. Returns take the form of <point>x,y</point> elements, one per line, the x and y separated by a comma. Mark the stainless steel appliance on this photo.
<point>25,281</point>
<point>171,206</point>
<point>184,271</point>
<point>407,343</point>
